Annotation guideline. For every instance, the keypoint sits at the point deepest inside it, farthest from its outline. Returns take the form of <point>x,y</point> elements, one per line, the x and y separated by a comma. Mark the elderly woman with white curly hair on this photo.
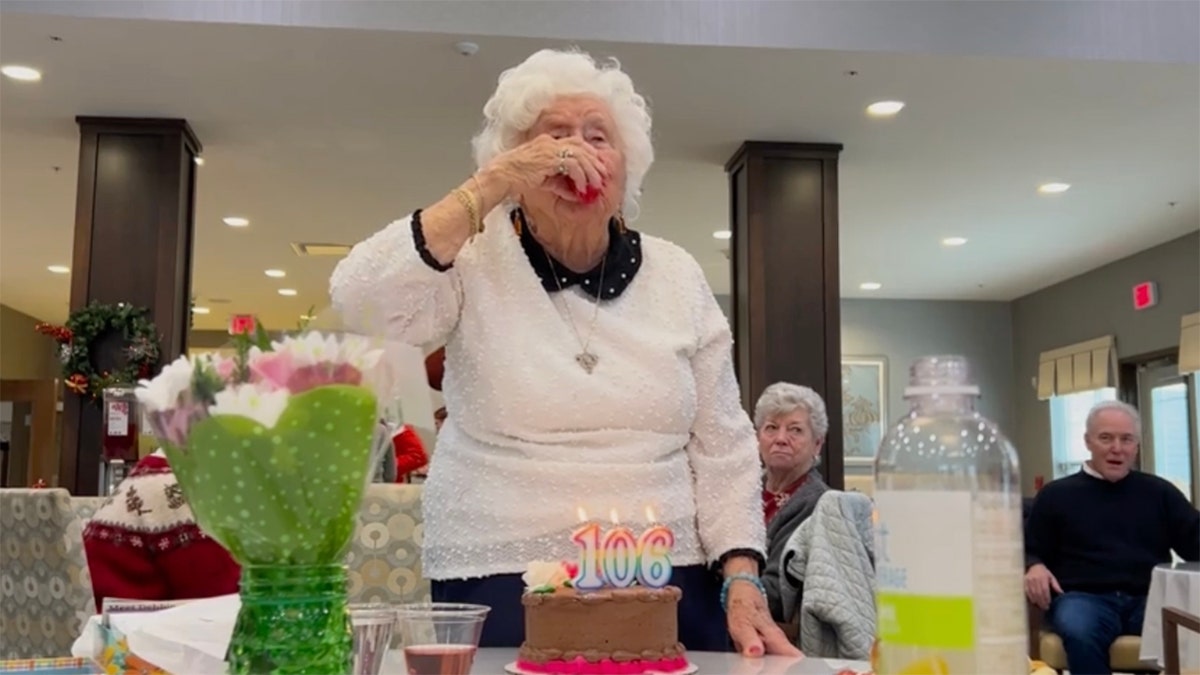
<point>587,365</point>
<point>792,426</point>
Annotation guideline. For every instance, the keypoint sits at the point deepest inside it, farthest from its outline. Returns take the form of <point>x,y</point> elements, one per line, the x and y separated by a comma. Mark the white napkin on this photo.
<point>89,643</point>
<point>191,638</point>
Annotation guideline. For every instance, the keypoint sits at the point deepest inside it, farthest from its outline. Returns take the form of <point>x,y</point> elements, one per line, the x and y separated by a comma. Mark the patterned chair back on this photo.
<point>385,556</point>
<point>45,589</point>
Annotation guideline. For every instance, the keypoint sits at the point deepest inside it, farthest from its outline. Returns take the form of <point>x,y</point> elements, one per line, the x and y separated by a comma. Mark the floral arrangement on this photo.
<point>273,448</point>
<point>543,576</point>
<point>84,327</point>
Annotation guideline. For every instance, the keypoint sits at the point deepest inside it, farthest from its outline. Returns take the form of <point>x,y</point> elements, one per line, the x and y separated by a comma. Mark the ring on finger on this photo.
<point>562,169</point>
<point>565,153</point>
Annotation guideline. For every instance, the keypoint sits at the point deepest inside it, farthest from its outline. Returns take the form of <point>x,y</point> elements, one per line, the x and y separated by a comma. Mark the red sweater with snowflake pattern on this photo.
<point>144,544</point>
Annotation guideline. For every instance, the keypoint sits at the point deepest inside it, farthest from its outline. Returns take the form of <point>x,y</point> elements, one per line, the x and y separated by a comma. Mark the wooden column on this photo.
<point>784,263</point>
<point>133,244</point>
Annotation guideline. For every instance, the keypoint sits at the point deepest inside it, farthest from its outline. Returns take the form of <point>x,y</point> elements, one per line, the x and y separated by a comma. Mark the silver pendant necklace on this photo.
<point>585,358</point>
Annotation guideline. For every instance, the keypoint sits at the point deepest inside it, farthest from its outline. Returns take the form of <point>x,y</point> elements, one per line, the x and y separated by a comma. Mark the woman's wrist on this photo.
<point>447,225</point>
<point>739,565</point>
<point>757,561</point>
<point>748,579</point>
<point>490,186</point>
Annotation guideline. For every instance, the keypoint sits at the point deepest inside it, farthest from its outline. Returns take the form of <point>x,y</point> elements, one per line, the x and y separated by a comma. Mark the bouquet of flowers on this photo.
<point>273,448</point>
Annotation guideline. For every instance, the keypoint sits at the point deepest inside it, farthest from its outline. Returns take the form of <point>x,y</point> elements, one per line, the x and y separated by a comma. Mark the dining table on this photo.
<point>1174,585</point>
<point>493,661</point>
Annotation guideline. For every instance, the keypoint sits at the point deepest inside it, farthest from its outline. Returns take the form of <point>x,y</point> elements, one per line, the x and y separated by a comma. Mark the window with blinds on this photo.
<point>1081,367</point>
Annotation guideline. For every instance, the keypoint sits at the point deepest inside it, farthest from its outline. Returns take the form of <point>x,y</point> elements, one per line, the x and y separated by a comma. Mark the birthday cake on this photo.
<point>608,631</point>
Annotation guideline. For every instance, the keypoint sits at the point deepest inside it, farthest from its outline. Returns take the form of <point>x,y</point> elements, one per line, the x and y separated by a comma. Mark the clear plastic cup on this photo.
<point>440,638</point>
<point>373,625</point>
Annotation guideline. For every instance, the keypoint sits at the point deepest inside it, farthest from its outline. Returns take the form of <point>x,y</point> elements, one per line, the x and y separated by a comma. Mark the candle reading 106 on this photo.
<point>617,559</point>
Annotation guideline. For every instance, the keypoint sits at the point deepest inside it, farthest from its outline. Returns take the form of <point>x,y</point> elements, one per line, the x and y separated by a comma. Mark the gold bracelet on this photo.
<point>468,202</point>
<point>479,200</point>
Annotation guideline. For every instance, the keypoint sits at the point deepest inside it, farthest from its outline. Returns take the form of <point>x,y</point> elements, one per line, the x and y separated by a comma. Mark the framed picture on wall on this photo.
<point>864,407</point>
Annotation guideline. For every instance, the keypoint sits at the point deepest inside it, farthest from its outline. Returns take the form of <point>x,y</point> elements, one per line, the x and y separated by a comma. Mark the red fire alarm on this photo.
<point>241,323</point>
<point>1145,295</point>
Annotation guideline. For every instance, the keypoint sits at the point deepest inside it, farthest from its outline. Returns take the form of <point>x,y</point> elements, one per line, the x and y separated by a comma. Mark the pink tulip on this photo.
<point>273,369</point>
<point>311,377</point>
<point>224,368</point>
<point>174,425</point>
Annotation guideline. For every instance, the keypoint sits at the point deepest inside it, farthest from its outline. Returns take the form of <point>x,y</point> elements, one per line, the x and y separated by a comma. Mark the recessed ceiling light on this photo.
<point>59,269</point>
<point>885,108</point>
<point>954,241</point>
<point>198,160</point>
<point>871,286</point>
<point>22,73</point>
<point>199,310</point>
<point>275,274</point>
<point>236,221</point>
<point>722,234</point>
<point>287,291</point>
<point>1053,188</point>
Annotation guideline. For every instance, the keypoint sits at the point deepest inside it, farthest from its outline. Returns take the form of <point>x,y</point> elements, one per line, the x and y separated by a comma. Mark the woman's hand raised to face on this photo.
<point>566,166</point>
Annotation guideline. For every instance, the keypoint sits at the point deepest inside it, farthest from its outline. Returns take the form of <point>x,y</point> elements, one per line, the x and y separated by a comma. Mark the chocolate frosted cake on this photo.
<point>613,631</point>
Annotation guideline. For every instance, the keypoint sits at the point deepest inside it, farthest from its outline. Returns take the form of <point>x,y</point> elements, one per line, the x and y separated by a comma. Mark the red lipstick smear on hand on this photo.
<point>589,195</point>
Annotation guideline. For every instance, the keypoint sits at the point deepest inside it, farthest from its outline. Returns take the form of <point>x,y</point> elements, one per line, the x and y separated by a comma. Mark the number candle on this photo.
<point>587,538</point>
<point>654,554</point>
<point>620,548</point>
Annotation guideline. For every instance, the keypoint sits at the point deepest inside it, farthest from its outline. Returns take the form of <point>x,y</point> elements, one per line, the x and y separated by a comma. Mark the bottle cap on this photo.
<point>945,374</point>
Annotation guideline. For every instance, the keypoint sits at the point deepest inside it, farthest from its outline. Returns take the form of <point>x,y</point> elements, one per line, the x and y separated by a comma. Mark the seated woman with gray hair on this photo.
<point>587,365</point>
<point>792,425</point>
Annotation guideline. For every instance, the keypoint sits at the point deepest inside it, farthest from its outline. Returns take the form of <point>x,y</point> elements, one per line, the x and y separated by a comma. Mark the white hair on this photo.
<point>525,90</point>
<point>783,398</point>
<point>1116,405</point>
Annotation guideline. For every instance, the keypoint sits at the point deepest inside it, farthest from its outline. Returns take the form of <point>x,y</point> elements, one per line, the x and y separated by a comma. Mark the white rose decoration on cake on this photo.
<point>543,576</point>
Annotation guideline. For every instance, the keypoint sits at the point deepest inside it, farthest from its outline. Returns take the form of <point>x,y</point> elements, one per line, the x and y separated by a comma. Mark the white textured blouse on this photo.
<point>530,436</point>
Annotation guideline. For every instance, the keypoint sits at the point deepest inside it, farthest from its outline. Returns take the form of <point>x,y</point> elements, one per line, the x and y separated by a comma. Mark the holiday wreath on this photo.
<point>84,327</point>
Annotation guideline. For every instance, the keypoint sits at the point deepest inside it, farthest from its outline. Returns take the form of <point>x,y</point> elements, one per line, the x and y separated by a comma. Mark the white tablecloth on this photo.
<point>1176,585</point>
<point>193,638</point>
<point>492,662</point>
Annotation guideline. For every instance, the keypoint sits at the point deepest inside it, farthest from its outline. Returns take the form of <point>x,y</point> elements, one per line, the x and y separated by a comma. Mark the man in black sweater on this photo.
<point>1093,538</point>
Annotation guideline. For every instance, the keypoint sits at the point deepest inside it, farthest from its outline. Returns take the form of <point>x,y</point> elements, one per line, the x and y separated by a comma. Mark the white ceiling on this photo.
<point>1150,31</point>
<point>327,134</point>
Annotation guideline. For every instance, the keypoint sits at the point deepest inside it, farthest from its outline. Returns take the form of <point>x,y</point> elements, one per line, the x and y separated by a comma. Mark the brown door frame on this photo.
<point>41,394</point>
<point>1127,378</point>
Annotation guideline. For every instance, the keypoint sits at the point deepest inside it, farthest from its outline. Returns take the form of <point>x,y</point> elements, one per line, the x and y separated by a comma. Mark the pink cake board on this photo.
<point>512,669</point>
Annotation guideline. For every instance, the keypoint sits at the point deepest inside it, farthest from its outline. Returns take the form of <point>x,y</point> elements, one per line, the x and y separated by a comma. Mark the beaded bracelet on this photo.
<point>740,577</point>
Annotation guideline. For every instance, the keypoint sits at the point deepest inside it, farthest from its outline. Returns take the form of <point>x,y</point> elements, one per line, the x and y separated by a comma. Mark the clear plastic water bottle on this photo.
<point>949,541</point>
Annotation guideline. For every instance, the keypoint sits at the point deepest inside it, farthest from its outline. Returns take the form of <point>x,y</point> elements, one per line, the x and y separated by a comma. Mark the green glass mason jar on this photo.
<point>293,620</point>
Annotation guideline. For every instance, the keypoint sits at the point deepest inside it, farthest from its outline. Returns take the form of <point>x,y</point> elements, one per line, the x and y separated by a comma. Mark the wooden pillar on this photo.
<point>133,244</point>
<point>784,264</point>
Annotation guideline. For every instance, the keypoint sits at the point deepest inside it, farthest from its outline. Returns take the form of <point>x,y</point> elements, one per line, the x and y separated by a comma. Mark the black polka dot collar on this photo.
<point>620,265</point>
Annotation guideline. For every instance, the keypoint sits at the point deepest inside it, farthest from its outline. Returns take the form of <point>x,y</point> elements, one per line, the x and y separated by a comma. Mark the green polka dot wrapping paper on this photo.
<point>273,448</point>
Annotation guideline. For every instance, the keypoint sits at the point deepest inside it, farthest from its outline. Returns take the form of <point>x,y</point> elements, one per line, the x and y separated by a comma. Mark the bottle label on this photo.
<point>923,569</point>
<point>118,418</point>
<point>949,571</point>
